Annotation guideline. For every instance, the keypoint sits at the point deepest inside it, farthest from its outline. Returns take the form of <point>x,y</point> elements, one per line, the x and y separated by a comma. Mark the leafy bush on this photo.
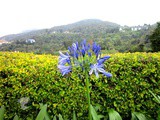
<point>37,77</point>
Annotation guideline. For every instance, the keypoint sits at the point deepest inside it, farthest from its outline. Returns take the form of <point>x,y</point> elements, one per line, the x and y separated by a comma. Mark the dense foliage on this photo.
<point>37,77</point>
<point>155,39</point>
<point>112,37</point>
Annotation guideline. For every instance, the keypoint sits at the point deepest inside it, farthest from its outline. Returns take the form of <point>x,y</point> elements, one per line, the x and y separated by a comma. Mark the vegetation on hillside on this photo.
<point>155,39</point>
<point>112,37</point>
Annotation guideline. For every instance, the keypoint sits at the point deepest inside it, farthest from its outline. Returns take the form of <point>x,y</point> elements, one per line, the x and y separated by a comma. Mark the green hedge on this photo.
<point>37,77</point>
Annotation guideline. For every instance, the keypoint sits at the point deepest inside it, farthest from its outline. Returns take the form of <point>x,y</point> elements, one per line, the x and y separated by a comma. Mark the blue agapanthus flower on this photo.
<point>63,59</point>
<point>83,55</point>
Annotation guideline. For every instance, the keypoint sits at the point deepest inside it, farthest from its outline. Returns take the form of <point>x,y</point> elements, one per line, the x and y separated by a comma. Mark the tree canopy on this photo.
<point>155,39</point>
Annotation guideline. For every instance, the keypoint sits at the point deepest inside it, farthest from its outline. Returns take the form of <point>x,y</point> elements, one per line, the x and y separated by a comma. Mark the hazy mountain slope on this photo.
<point>88,26</point>
<point>111,36</point>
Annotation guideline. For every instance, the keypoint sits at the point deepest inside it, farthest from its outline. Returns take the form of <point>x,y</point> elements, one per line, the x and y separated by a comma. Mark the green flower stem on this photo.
<point>88,95</point>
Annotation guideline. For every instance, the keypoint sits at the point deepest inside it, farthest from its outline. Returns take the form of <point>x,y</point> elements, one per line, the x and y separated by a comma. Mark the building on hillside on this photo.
<point>66,32</point>
<point>134,28</point>
<point>3,42</point>
<point>30,41</point>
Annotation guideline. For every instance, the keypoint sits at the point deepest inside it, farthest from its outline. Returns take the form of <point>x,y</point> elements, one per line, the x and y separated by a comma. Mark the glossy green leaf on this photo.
<point>138,116</point>
<point>114,115</point>
<point>2,109</point>
<point>16,118</point>
<point>157,98</point>
<point>55,118</point>
<point>93,113</point>
<point>158,114</point>
<point>74,115</point>
<point>60,117</point>
<point>43,113</point>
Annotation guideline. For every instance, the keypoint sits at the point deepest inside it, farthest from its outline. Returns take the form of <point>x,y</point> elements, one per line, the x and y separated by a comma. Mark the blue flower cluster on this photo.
<point>85,56</point>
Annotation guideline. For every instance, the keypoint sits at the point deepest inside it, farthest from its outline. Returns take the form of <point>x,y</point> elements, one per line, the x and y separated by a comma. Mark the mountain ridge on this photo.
<point>73,27</point>
<point>111,36</point>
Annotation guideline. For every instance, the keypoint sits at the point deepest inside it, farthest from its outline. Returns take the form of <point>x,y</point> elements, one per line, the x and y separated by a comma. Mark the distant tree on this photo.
<point>155,39</point>
<point>141,47</point>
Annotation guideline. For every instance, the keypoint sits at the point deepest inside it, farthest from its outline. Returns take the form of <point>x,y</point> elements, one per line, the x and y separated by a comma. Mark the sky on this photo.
<point>20,15</point>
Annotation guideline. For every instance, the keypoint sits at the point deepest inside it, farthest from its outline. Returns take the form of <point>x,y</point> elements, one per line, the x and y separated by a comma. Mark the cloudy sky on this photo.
<point>20,15</point>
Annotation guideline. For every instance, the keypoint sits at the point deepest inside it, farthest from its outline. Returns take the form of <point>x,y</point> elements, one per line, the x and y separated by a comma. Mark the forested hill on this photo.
<point>88,26</point>
<point>111,36</point>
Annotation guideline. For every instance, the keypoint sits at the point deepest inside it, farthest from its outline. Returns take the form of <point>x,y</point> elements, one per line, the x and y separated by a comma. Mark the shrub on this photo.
<point>37,77</point>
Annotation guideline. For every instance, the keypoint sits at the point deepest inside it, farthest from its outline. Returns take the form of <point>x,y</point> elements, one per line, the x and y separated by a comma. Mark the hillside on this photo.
<point>82,27</point>
<point>111,36</point>
<point>87,26</point>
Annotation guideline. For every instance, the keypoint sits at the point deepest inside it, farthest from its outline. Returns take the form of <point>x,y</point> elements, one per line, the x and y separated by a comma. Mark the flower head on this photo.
<point>82,55</point>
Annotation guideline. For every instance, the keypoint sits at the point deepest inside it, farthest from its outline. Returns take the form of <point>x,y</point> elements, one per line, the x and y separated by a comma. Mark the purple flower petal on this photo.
<point>102,60</point>
<point>74,47</point>
<point>96,49</point>
<point>98,68</point>
<point>83,52</point>
<point>89,54</point>
<point>63,59</point>
<point>64,69</point>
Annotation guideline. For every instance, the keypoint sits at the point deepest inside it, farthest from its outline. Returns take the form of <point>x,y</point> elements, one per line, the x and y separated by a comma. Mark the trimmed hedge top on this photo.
<point>37,77</point>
